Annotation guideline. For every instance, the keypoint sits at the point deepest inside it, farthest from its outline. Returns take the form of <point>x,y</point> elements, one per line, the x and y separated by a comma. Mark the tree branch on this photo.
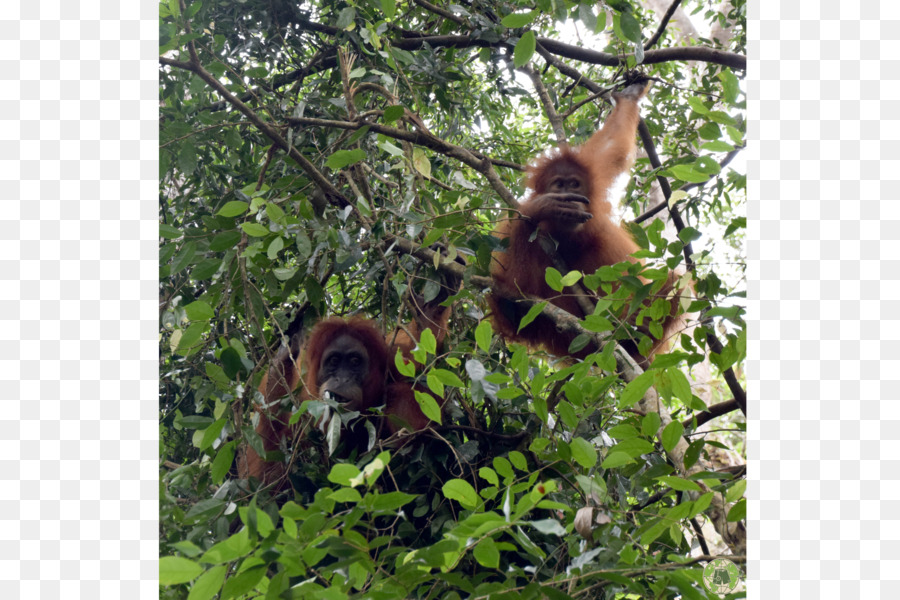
<point>662,25</point>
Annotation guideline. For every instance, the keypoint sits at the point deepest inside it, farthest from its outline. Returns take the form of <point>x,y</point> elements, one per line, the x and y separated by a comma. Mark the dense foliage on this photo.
<point>312,155</point>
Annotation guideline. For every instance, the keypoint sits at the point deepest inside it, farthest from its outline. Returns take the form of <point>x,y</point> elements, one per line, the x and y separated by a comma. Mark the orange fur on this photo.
<point>586,243</point>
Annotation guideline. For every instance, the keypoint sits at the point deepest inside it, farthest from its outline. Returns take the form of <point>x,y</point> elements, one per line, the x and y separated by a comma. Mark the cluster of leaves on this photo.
<point>541,480</point>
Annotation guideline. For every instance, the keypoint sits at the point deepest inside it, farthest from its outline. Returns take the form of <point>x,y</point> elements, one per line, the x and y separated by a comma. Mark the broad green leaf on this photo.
<point>222,463</point>
<point>583,452</point>
<point>392,113</point>
<point>533,312</point>
<point>342,473</point>
<point>630,27</point>
<point>176,569</point>
<point>516,20</point>
<point>407,369</point>
<point>421,162</point>
<point>391,501</point>
<point>429,406</point>
<point>447,378</point>
<point>736,492</point>
<point>738,512</point>
<point>168,232</point>
<point>483,334</point>
<point>616,459</point>
<point>554,279</point>
<point>635,390</point>
<point>518,460</point>
<point>688,173</point>
<point>487,554</point>
<point>489,475</point>
<point>255,229</point>
<point>524,49</point>
<point>344,158</point>
<point>199,311</point>
<point>233,209</point>
<point>697,104</point>
<point>389,8</point>
<point>650,424</point>
<point>677,483</point>
<point>208,584</point>
<point>462,492</point>
<point>230,549</point>
<point>428,342</point>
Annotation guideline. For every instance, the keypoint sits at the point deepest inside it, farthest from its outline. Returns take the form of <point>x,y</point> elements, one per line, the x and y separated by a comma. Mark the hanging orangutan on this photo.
<point>569,202</point>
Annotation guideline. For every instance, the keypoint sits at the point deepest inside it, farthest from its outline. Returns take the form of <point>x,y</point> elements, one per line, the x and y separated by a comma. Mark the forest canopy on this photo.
<point>345,158</point>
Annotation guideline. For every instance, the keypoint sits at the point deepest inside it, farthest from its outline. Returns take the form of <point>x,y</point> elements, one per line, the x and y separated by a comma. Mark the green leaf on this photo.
<point>190,339</point>
<point>533,312</point>
<point>681,387</point>
<point>429,406</point>
<point>630,28</point>
<point>635,390</point>
<point>736,492</point>
<point>517,20</point>
<point>447,378</point>
<point>571,278</point>
<point>524,49</point>
<point>554,279</point>
<point>689,234</point>
<point>211,433</point>
<point>233,548</point>
<point>698,106</point>
<point>483,334</point>
<point>650,424</point>
<point>392,113</point>
<point>738,512</point>
<point>428,342</point>
<point>688,173</point>
<point>701,504</point>
<point>168,232</point>
<point>255,229</point>
<point>274,212</point>
<point>389,8</point>
<point>345,494</point>
<point>623,432</point>
<point>176,569</point>
<point>184,258</point>
<point>342,473</point>
<point>487,554</point>
<point>225,241</point>
<point>421,162</point>
<point>587,16</point>
<point>677,483</point>
<point>489,475</point>
<point>709,131</point>
<point>222,463</point>
<point>199,311</point>
<point>518,460</point>
<point>730,87</point>
<point>549,527</point>
<point>462,492</point>
<point>407,369</point>
<point>233,209</point>
<point>208,584</point>
<point>616,459</point>
<point>583,452</point>
<point>633,447</point>
<point>344,158</point>
<point>244,581</point>
<point>717,146</point>
<point>391,501</point>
